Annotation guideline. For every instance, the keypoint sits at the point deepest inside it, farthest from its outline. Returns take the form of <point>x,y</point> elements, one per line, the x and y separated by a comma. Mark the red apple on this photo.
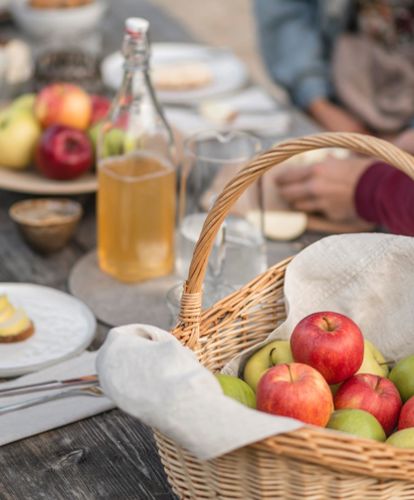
<point>63,104</point>
<point>100,108</point>
<point>295,390</point>
<point>329,342</point>
<point>374,394</point>
<point>407,415</point>
<point>63,153</point>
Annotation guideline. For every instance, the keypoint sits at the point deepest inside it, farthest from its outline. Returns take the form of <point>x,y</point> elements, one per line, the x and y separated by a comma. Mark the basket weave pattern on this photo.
<point>311,462</point>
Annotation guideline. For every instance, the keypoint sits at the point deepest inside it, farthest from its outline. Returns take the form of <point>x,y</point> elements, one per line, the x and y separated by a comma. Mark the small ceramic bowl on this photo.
<point>47,224</point>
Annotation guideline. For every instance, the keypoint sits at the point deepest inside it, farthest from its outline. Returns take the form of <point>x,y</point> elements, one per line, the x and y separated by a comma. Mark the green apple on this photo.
<point>402,375</point>
<point>357,422</point>
<point>93,133</point>
<point>25,101</point>
<point>237,389</point>
<point>271,354</point>
<point>402,439</point>
<point>373,361</point>
<point>19,133</point>
<point>113,140</point>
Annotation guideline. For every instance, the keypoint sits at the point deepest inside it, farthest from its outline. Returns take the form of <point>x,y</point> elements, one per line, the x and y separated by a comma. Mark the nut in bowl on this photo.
<point>47,224</point>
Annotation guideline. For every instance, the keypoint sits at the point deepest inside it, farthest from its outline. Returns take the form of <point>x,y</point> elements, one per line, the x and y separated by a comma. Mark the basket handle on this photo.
<point>363,144</point>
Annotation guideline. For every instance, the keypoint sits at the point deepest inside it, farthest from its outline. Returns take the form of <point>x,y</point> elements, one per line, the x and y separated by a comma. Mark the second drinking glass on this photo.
<point>212,158</point>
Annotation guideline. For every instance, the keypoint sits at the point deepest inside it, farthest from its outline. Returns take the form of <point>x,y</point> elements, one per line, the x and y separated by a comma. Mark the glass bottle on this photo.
<point>136,173</point>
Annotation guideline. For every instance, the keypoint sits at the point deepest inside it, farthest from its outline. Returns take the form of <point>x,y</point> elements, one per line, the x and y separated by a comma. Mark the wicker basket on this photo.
<point>310,462</point>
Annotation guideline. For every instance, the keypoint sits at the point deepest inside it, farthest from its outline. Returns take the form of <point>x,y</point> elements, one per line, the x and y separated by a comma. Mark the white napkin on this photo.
<point>150,375</point>
<point>30,421</point>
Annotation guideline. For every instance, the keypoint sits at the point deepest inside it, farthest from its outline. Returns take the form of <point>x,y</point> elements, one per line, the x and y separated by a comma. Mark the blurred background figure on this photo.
<point>355,190</point>
<point>348,63</point>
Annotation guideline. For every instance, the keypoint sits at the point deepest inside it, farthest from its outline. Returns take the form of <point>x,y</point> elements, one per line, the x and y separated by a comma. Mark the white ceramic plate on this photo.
<point>29,181</point>
<point>64,327</point>
<point>229,73</point>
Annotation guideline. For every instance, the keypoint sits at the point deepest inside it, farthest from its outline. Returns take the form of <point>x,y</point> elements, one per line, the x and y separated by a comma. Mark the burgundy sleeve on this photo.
<point>385,196</point>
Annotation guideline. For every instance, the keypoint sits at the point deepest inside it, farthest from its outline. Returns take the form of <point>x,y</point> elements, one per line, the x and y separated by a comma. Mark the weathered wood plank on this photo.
<point>110,456</point>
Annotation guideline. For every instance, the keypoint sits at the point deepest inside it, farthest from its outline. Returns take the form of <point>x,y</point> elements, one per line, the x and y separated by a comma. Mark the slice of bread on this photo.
<point>23,335</point>
<point>15,325</point>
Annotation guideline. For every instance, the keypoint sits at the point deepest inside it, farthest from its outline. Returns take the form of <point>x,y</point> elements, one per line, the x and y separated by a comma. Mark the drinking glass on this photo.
<point>212,158</point>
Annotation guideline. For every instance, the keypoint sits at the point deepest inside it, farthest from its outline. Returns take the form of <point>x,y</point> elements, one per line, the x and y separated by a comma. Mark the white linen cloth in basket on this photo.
<point>149,374</point>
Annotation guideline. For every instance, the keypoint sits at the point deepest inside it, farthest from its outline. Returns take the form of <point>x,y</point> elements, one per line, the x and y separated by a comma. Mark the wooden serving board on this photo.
<point>31,182</point>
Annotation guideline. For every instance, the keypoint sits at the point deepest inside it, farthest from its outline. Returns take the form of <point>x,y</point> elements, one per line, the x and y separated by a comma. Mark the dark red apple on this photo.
<point>407,415</point>
<point>374,394</point>
<point>297,391</point>
<point>63,153</point>
<point>100,108</point>
<point>329,342</point>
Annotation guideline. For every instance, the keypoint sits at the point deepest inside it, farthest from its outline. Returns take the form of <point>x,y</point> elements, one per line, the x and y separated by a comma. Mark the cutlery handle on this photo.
<point>87,380</point>
<point>33,402</point>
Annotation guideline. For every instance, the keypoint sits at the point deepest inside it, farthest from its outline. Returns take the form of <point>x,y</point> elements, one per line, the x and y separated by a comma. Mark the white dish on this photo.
<point>29,181</point>
<point>189,122</point>
<point>228,72</point>
<point>57,23</point>
<point>64,327</point>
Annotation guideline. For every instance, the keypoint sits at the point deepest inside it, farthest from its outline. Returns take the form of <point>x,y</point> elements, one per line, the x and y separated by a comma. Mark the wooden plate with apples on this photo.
<point>47,141</point>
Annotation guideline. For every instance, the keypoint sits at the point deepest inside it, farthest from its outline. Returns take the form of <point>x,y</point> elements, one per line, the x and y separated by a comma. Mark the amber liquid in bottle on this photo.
<point>136,234</point>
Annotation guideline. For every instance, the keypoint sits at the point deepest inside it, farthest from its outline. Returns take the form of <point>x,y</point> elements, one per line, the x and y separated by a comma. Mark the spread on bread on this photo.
<point>15,325</point>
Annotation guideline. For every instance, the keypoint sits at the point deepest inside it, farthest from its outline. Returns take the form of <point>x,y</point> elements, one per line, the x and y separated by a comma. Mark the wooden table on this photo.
<point>109,456</point>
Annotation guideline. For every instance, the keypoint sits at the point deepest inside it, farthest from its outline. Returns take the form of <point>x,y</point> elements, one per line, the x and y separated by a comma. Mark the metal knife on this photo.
<point>86,380</point>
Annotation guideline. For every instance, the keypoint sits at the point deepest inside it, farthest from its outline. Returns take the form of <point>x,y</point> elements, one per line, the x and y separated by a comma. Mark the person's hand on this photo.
<point>327,187</point>
<point>406,141</point>
<point>334,118</point>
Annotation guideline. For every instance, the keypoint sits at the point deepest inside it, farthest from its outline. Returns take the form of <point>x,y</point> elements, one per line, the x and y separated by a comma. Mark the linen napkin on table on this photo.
<point>150,375</point>
<point>30,421</point>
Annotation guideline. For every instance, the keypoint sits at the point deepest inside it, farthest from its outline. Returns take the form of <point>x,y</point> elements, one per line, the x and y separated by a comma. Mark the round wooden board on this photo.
<point>29,181</point>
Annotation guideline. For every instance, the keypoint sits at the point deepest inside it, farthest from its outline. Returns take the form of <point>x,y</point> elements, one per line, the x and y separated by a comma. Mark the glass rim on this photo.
<point>214,134</point>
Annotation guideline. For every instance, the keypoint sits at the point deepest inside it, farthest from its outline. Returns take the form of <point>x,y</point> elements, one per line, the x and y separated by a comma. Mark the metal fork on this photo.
<point>95,392</point>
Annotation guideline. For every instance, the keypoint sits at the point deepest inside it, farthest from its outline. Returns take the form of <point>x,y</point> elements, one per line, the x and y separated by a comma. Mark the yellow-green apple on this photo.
<point>373,361</point>
<point>402,439</point>
<point>329,342</point>
<point>376,395</point>
<point>407,415</point>
<point>271,354</point>
<point>63,153</point>
<point>402,375</point>
<point>63,104</point>
<point>357,422</point>
<point>19,133</point>
<point>25,101</point>
<point>237,389</point>
<point>113,140</point>
<point>295,390</point>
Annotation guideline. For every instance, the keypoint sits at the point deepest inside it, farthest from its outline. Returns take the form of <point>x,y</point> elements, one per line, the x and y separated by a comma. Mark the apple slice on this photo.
<point>280,224</point>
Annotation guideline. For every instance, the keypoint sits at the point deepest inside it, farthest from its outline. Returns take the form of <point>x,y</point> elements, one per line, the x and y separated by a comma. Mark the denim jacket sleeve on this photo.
<point>292,47</point>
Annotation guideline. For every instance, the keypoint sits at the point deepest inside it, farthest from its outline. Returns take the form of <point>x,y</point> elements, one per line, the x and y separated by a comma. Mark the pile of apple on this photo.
<point>56,129</point>
<point>328,375</point>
